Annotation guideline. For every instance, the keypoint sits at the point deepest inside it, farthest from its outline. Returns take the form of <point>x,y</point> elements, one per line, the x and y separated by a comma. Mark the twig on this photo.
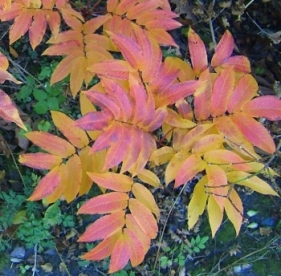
<point>34,269</point>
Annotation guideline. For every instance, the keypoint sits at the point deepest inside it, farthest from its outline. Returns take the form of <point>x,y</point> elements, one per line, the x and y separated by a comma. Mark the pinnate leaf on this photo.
<point>223,50</point>
<point>104,248</point>
<point>234,210</point>
<point>113,181</point>
<point>215,214</point>
<point>250,181</point>
<point>104,227</point>
<point>197,52</point>
<point>198,202</point>
<point>75,135</point>
<point>142,194</point>
<point>268,107</point>
<point>41,161</point>
<point>107,203</point>
<point>8,111</point>
<point>51,143</point>
<point>256,133</point>
<point>47,184</point>
<point>189,168</point>
<point>120,254</point>
<point>143,217</point>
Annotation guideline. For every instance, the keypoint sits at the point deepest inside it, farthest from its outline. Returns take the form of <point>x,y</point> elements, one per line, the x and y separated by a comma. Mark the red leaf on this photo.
<point>94,120</point>
<point>103,249</point>
<point>239,63</point>
<point>197,51</point>
<point>41,161</point>
<point>223,50</point>
<point>244,91</point>
<point>8,111</point>
<point>144,218</point>
<point>104,227</point>
<point>217,184</point>
<point>130,50</point>
<point>190,168</point>
<point>103,204</point>
<point>256,133</point>
<point>222,90</point>
<point>120,254</point>
<point>51,143</point>
<point>202,97</point>
<point>47,184</point>
<point>268,107</point>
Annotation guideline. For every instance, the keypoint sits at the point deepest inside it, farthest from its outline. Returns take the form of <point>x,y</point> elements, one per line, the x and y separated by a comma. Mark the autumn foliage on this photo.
<point>206,114</point>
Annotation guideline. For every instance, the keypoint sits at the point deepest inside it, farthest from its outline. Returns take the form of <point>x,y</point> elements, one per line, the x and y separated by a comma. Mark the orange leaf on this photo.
<point>75,135</point>
<point>136,249</point>
<point>73,166</point>
<point>234,210</point>
<point>107,203</point>
<point>223,50</point>
<point>60,188</point>
<point>130,50</point>
<point>256,133</point>
<point>21,25</point>
<point>103,249</point>
<point>197,51</point>
<point>118,69</point>
<point>268,107</point>
<point>41,161</point>
<point>202,97</point>
<point>217,184</point>
<point>234,137</point>
<point>120,254</point>
<point>189,168</point>
<point>226,158</point>
<point>104,227</point>
<point>37,28</point>
<point>144,218</point>
<point>206,143</point>
<point>222,89</point>
<point>142,194</point>
<point>132,225</point>
<point>245,90</point>
<point>51,143</point>
<point>239,63</point>
<point>113,181</point>
<point>47,184</point>
<point>194,135</point>
<point>175,163</point>
<point>94,120</point>
<point>8,111</point>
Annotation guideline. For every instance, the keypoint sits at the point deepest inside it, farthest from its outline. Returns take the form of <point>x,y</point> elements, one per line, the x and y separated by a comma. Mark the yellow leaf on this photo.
<point>250,181</point>
<point>234,210</point>
<point>198,202</point>
<point>149,177</point>
<point>215,215</point>
<point>145,196</point>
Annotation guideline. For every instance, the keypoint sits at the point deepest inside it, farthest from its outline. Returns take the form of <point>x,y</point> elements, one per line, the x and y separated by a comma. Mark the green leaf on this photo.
<point>41,107</point>
<point>24,92</point>
<point>53,103</point>
<point>40,95</point>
